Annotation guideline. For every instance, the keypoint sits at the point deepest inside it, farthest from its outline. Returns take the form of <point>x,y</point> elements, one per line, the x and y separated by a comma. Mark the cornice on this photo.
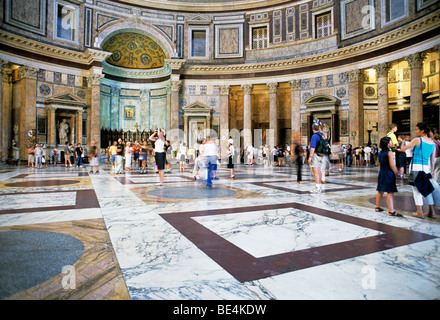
<point>195,6</point>
<point>411,30</point>
<point>87,57</point>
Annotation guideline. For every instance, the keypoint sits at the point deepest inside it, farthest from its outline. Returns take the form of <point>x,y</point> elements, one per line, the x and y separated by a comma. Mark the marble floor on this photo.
<point>68,234</point>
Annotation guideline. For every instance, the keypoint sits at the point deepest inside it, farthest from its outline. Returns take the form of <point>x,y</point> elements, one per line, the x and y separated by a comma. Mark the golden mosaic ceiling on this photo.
<point>135,51</point>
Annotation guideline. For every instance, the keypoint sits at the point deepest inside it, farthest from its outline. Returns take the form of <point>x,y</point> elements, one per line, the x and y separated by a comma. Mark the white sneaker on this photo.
<point>316,190</point>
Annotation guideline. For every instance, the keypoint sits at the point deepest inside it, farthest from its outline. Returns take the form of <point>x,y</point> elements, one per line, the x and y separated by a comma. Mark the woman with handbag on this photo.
<point>421,167</point>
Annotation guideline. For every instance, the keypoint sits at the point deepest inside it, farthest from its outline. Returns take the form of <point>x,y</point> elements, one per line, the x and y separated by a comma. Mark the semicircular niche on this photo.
<point>134,50</point>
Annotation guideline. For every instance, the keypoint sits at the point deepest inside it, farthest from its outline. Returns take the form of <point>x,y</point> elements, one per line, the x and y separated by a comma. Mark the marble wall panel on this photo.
<point>158,112</point>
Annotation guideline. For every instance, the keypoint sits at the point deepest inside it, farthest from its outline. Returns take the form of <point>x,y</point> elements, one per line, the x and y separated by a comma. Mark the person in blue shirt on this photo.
<point>315,160</point>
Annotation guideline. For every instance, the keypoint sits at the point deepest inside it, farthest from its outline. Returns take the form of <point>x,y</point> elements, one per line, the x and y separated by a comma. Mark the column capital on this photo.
<point>382,69</point>
<point>247,88</point>
<point>50,107</point>
<point>176,85</point>
<point>224,89</point>
<point>95,79</point>
<point>355,75</point>
<point>415,60</point>
<point>27,72</point>
<point>273,87</point>
<point>295,84</point>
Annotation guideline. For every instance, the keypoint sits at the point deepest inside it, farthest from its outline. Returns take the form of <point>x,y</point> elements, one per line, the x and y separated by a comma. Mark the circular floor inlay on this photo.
<point>40,183</point>
<point>28,258</point>
<point>191,192</point>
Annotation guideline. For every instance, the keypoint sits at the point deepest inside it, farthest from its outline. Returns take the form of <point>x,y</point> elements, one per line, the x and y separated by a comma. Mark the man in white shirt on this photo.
<point>367,154</point>
<point>210,152</point>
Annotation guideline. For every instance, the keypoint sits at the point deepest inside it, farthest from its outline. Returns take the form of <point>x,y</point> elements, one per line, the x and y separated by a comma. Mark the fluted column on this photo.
<point>51,125</point>
<point>415,62</point>
<point>79,128</point>
<point>94,116</point>
<point>247,115</point>
<point>273,113</point>
<point>6,109</point>
<point>224,120</point>
<point>356,107</point>
<point>28,107</point>
<point>382,98</point>
<point>295,107</point>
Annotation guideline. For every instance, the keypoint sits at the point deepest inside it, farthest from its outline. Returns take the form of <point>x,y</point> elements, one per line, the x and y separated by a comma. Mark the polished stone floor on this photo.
<point>68,234</point>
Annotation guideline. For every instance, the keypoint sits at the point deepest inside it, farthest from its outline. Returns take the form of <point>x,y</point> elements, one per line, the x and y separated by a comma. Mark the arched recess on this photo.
<point>146,29</point>
<point>325,108</point>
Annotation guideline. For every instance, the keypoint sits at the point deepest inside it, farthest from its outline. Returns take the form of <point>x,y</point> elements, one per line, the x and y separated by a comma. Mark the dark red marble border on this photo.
<point>344,186</point>
<point>84,199</point>
<point>245,267</point>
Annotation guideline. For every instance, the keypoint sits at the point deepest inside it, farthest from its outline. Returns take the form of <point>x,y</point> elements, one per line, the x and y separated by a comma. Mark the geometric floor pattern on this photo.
<point>68,234</point>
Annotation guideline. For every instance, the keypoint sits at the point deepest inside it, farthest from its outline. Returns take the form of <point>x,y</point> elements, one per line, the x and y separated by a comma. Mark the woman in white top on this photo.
<point>128,156</point>
<point>159,151</point>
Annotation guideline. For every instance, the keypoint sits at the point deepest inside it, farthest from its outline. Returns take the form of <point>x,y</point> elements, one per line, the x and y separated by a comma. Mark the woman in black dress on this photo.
<point>386,181</point>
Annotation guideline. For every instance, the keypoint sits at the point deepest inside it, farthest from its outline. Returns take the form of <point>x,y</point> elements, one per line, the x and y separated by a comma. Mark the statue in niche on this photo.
<point>63,131</point>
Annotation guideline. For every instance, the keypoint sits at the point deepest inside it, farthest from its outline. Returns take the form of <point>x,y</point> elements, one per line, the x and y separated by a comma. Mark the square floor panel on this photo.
<point>246,267</point>
<point>36,200</point>
<point>265,233</point>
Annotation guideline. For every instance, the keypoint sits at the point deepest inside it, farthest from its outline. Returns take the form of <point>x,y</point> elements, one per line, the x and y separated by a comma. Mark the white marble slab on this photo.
<point>264,233</point>
<point>37,200</point>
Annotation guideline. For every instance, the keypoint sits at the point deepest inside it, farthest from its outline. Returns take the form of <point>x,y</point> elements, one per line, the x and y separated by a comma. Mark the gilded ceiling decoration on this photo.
<point>135,51</point>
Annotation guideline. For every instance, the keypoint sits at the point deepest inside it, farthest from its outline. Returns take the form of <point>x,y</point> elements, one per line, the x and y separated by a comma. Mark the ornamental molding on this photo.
<point>135,73</point>
<point>406,32</point>
<point>87,57</point>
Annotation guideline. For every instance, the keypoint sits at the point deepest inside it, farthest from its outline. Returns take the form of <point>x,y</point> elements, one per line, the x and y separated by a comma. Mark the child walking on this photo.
<point>386,181</point>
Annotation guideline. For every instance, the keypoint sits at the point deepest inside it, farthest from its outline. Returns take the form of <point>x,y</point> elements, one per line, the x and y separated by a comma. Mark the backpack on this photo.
<point>323,147</point>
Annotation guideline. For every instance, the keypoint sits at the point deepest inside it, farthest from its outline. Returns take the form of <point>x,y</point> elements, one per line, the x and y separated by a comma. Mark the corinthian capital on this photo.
<point>273,87</point>
<point>416,60</point>
<point>95,79</point>
<point>247,88</point>
<point>224,89</point>
<point>295,84</point>
<point>176,85</point>
<point>382,69</point>
<point>355,75</point>
<point>26,72</point>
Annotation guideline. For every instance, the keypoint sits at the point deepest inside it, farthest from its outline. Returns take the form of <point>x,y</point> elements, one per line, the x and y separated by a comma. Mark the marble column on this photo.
<point>51,125</point>
<point>94,114</point>
<point>415,62</point>
<point>224,120</point>
<point>247,115</point>
<point>295,107</point>
<point>6,110</point>
<point>356,107</point>
<point>114,108</point>
<point>28,107</point>
<point>383,117</point>
<point>174,121</point>
<point>273,112</point>
<point>79,129</point>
